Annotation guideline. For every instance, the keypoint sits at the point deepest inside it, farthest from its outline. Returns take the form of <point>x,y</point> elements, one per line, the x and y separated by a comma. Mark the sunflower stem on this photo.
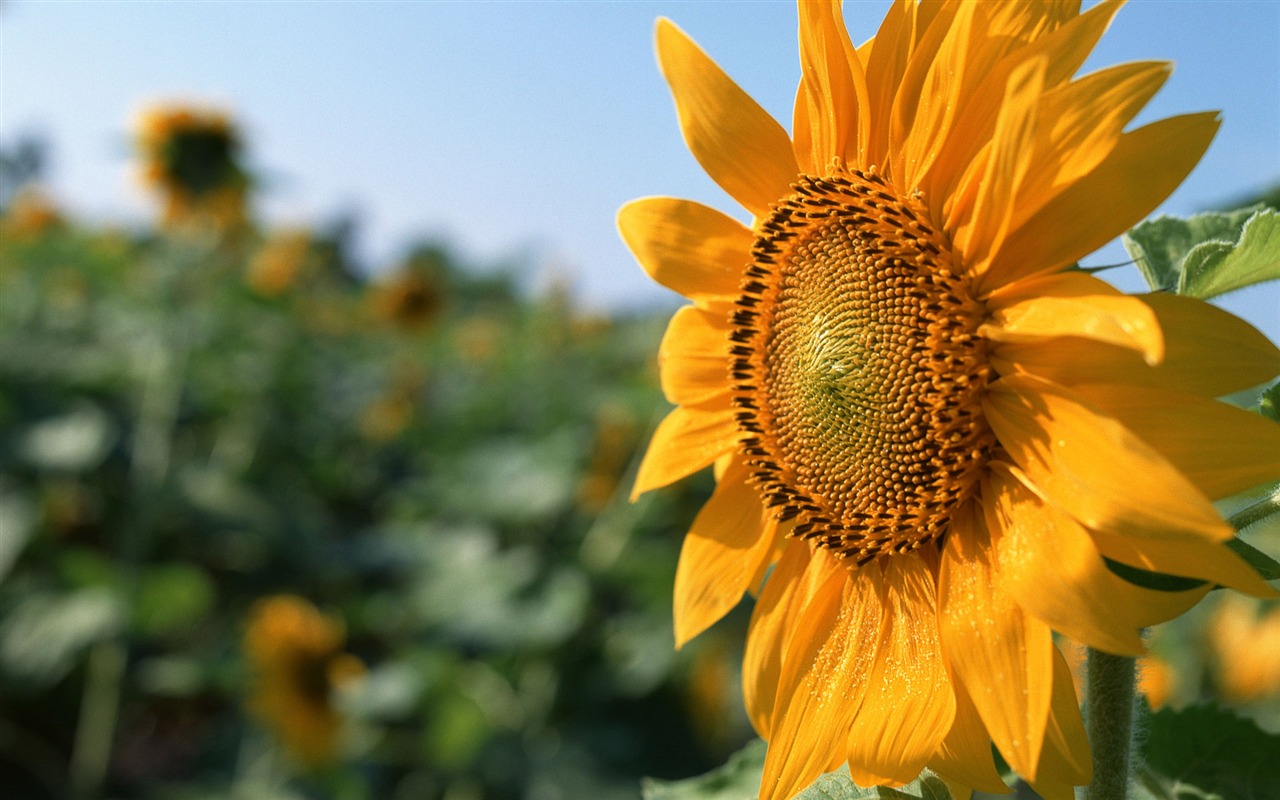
<point>1257,512</point>
<point>1109,705</point>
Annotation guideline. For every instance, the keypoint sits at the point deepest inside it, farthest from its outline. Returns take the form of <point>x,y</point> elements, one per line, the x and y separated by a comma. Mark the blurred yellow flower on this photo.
<point>1245,636</point>
<point>478,338</point>
<point>296,656</point>
<point>410,299</point>
<point>387,416</point>
<point>30,214</point>
<point>1156,680</point>
<point>616,433</point>
<point>191,159</point>
<point>279,262</point>
<point>708,695</point>
<point>928,425</point>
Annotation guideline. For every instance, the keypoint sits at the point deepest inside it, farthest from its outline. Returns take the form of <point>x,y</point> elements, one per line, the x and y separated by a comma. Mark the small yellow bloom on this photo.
<point>1245,636</point>
<point>410,300</point>
<point>1156,680</point>
<point>296,656</point>
<point>391,413</point>
<point>708,697</point>
<point>30,214</point>
<point>616,436</point>
<point>191,158</point>
<point>279,263</point>
<point>926,427</point>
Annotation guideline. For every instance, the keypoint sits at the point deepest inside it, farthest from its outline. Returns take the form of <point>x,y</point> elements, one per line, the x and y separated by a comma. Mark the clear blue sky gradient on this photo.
<point>518,129</point>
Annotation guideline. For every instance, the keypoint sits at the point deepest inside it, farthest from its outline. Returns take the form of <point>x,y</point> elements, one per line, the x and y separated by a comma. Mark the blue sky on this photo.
<point>515,130</point>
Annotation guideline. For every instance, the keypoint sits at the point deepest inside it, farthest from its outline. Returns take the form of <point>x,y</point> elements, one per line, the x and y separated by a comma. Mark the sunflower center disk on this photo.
<point>859,370</point>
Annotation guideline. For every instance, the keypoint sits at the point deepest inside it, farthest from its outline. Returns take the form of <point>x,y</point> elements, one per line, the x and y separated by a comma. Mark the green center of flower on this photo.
<point>860,370</point>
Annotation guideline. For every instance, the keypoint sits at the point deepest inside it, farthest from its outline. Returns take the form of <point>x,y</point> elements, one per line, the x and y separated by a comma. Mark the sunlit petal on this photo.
<point>740,146</point>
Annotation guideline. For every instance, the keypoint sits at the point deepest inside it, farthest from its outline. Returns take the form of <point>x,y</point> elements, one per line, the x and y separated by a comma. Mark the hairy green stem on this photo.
<point>1109,704</point>
<point>1255,513</point>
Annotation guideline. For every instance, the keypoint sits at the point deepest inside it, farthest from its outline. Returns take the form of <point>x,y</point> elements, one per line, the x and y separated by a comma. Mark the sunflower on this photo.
<point>279,263</point>
<point>410,300</point>
<point>927,427</point>
<point>191,158</point>
<point>298,664</point>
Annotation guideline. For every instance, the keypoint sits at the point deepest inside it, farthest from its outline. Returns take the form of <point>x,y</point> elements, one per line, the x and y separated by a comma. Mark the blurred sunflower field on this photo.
<point>271,528</point>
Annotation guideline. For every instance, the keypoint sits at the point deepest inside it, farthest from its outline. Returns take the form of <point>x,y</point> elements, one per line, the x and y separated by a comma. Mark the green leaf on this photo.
<point>839,786</point>
<point>44,635</point>
<point>1152,580</point>
<point>1160,245</point>
<point>173,597</point>
<point>1269,403</point>
<point>1208,254</point>
<point>1263,564</point>
<point>17,523</point>
<point>1205,751</point>
<point>739,779</point>
<point>1215,268</point>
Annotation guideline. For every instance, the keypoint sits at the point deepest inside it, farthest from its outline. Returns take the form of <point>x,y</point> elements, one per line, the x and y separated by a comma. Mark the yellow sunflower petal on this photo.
<point>1066,760</point>
<point>1063,47</point>
<point>1091,466</point>
<point>964,757</point>
<point>768,634</point>
<point>1143,168</point>
<point>720,554</point>
<point>835,85</point>
<point>1050,566</point>
<point>1074,304</point>
<point>931,91</point>
<point>1224,450</point>
<point>909,705</point>
<point>693,358</point>
<point>740,146</point>
<point>1207,351</point>
<point>1008,160</point>
<point>802,136</point>
<point>685,246</point>
<point>999,652</point>
<point>1186,558</point>
<point>886,63</point>
<point>824,675</point>
<point>1087,119</point>
<point>685,442</point>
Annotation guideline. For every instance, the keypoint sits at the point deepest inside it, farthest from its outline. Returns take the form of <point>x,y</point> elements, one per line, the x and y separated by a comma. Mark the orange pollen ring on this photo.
<point>858,371</point>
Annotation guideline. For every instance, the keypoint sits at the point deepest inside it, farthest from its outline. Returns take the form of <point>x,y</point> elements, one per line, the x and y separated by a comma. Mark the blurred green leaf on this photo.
<point>171,598</point>
<point>514,480</point>
<point>504,598</point>
<point>1208,254</point>
<point>738,779</point>
<point>77,441</point>
<point>456,731</point>
<point>388,691</point>
<point>17,523</point>
<point>41,639</point>
<point>1204,751</point>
